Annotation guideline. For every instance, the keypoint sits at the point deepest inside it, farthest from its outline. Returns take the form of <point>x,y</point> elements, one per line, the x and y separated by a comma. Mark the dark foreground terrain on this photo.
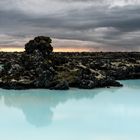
<point>39,67</point>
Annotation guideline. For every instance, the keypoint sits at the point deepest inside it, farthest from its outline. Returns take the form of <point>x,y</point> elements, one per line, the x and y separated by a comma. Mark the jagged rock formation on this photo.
<point>32,69</point>
<point>39,67</point>
<point>40,43</point>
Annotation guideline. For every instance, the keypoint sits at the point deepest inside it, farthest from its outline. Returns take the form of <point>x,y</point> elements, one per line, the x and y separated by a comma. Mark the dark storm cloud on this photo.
<point>110,23</point>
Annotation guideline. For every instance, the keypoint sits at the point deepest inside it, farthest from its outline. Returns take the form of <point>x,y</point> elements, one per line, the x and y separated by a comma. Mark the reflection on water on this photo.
<point>97,114</point>
<point>37,104</point>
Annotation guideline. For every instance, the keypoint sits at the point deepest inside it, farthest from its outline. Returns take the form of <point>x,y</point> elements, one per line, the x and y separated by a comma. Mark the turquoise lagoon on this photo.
<point>99,114</point>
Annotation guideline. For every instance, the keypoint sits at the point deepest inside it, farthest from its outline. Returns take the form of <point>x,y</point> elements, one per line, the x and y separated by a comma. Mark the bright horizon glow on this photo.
<point>21,49</point>
<point>11,49</point>
<point>15,49</point>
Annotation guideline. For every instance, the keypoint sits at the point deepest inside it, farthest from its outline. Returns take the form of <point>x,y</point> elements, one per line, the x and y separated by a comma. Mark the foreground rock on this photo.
<point>39,67</point>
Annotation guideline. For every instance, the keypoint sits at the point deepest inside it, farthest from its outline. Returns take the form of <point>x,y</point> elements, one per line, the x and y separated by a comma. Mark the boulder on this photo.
<point>87,84</point>
<point>108,81</point>
<point>63,85</point>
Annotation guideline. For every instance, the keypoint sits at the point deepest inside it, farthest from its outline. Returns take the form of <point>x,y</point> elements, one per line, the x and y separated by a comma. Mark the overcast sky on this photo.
<point>93,25</point>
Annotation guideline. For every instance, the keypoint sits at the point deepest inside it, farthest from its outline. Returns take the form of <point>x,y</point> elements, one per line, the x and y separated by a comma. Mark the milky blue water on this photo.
<point>100,114</point>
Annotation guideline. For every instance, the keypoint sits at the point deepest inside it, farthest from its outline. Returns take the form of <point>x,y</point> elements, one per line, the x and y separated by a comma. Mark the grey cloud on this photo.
<point>98,23</point>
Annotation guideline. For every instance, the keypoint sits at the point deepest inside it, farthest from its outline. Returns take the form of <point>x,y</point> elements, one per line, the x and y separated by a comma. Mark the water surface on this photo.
<point>100,114</point>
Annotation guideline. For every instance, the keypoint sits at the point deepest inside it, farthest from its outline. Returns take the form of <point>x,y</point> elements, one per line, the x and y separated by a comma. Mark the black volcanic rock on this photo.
<point>40,67</point>
<point>87,84</point>
<point>63,85</point>
<point>32,69</point>
<point>41,43</point>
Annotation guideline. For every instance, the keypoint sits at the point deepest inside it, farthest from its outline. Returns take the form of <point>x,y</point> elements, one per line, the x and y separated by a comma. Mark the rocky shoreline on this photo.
<point>40,67</point>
